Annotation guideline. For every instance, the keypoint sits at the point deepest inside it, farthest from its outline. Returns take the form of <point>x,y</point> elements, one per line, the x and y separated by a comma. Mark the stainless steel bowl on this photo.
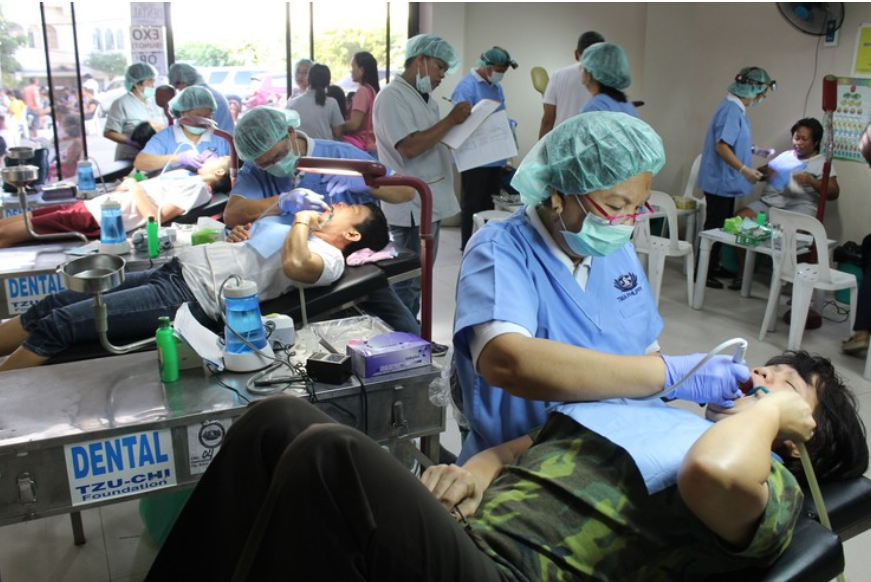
<point>20,176</point>
<point>93,274</point>
<point>19,153</point>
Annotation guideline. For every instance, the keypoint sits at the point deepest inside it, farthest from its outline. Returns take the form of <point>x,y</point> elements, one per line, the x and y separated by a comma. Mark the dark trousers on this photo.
<point>719,209</point>
<point>863,307</point>
<point>294,496</point>
<point>479,187</point>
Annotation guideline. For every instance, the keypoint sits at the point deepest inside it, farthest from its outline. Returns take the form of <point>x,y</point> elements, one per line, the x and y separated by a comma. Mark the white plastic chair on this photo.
<point>479,219</point>
<point>701,203</point>
<point>805,277</point>
<point>658,248</point>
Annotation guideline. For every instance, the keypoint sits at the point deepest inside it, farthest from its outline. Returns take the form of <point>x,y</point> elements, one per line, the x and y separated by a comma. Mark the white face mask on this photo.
<point>424,84</point>
<point>496,76</point>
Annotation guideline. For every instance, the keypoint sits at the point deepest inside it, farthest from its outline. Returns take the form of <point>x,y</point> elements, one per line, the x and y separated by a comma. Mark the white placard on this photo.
<point>27,290</point>
<point>147,14</point>
<point>120,466</point>
<point>147,46</point>
<point>204,441</point>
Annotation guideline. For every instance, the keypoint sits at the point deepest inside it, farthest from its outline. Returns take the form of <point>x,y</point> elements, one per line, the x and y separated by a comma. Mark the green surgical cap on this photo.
<point>192,98</point>
<point>758,78</point>
<point>138,72</point>
<point>434,46</point>
<point>607,63</point>
<point>260,129</point>
<point>184,73</point>
<point>588,152</point>
<point>497,56</point>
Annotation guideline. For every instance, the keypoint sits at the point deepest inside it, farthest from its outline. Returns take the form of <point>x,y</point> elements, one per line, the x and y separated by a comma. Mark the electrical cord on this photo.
<point>814,77</point>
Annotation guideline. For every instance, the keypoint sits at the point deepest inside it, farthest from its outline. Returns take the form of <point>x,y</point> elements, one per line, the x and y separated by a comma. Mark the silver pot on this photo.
<point>20,176</point>
<point>93,274</point>
<point>19,153</point>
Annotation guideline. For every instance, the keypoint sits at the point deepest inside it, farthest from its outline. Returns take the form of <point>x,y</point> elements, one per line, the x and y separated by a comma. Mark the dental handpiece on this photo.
<point>747,386</point>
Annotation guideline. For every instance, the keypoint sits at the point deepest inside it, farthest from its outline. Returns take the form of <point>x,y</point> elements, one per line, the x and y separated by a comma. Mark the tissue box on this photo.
<point>387,353</point>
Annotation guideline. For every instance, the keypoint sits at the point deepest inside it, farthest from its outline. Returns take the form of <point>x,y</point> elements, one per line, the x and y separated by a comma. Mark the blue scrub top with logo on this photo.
<point>509,274</point>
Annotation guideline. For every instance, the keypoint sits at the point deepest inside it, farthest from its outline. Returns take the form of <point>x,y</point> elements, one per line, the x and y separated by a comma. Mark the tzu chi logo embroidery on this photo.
<point>627,284</point>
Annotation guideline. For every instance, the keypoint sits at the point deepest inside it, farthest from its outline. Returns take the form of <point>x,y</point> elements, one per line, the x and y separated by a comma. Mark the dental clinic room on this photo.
<point>440,291</point>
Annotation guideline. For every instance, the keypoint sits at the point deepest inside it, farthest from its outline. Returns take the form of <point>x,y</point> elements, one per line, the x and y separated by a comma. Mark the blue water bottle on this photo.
<point>86,180</point>
<point>242,309</point>
<point>113,238</point>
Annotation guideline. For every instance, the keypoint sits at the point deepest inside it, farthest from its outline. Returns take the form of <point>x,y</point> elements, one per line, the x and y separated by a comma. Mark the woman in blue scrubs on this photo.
<point>725,173</point>
<point>605,74</point>
<point>552,303</point>
<point>181,145</point>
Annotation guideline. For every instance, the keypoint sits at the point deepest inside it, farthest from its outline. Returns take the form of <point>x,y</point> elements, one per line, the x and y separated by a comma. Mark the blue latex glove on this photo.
<point>340,184</point>
<point>301,199</point>
<point>190,159</point>
<point>717,381</point>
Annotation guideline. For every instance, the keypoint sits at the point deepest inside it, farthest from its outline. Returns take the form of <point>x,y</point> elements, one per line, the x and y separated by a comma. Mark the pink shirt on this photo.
<point>363,99</point>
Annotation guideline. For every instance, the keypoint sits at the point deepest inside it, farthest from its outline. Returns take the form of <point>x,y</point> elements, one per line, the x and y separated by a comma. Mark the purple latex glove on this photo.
<point>301,199</point>
<point>133,144</point>
<point>206,156</point>
<point>717,381</point>
<point>190,159</point>
<point>337,185</point>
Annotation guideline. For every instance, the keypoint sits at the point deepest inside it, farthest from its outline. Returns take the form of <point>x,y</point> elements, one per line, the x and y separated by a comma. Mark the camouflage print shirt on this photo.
<point>575,507</point>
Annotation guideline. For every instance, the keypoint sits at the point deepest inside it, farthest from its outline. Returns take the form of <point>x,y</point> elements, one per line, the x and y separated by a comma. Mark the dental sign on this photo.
<point>147,20</point>
<point>120,466</point>
<point>27,290</point>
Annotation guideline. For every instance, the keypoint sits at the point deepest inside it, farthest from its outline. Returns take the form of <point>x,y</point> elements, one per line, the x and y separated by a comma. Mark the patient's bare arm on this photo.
<point>724,477</point>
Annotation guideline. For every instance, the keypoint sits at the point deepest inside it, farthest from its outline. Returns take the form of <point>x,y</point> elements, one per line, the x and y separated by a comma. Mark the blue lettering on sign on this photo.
<point>7,212</point>
<point>118,454</point>
<point>33,286</point>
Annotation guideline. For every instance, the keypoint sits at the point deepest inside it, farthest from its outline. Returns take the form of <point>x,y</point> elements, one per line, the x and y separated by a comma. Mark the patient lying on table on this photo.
<point>652,493</point>
<point>277,257</point>
<point>173,193</point>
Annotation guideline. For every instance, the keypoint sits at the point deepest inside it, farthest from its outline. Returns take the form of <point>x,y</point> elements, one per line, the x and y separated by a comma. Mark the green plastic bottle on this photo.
<point>153,238</point>
<point>167,351</point>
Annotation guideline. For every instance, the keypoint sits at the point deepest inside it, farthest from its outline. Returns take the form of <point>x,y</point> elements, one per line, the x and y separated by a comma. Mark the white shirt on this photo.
<point>566,91</point>
<point>178,188</point>
<point>398,112</point>
<point>126,112</point>
<point>206,267</point>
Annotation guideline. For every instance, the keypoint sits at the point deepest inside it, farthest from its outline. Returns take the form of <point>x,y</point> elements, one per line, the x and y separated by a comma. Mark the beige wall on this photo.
<point>683,57</point>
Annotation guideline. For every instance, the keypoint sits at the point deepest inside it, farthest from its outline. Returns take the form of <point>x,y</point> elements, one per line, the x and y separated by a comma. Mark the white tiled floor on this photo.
<point>118,549</point>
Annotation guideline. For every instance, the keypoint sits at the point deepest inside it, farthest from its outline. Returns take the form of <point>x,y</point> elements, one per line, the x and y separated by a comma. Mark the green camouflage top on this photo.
<point>575,507</point>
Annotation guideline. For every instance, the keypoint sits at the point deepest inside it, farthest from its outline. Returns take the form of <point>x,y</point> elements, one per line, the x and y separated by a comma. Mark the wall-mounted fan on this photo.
<point>816,18</point>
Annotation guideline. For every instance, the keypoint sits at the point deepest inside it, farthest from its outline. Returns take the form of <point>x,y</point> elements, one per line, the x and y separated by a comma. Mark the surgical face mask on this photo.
<point>195,130</point>
<point>598,237</point>
<point>286,166</point>
<point>423,84</point>
<point>496,76</point>
<point>148,92</point>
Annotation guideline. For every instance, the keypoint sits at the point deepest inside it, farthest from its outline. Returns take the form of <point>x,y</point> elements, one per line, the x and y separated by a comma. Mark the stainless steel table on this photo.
<point>85,434</point>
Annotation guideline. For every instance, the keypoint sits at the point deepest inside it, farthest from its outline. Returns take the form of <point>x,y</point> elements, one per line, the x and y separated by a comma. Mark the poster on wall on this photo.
<point>852,114</point>
<point>862,55</point>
